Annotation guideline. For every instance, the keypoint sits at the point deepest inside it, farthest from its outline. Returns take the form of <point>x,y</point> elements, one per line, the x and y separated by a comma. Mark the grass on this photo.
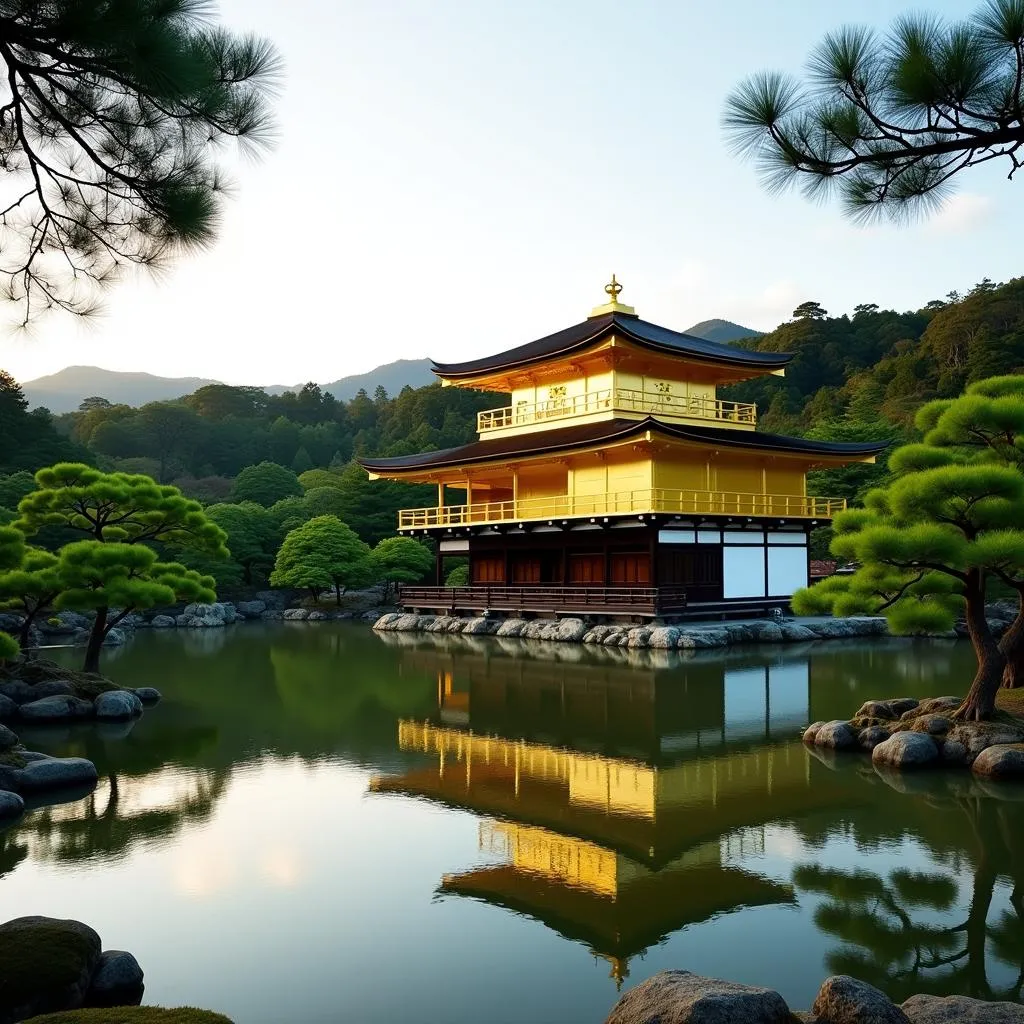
<point>132,1015</point>
<point>1012,702</point>
<point>43,958</point>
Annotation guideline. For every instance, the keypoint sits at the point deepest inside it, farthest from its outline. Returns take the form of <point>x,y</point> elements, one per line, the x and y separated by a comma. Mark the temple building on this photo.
<point>616,481</point>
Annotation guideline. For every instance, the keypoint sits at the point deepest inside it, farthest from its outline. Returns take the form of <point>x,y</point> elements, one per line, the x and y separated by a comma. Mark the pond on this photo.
<point>323,824</point>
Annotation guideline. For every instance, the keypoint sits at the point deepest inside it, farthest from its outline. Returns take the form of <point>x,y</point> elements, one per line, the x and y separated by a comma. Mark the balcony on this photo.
<point>654,500</point>
<point>618,400</point>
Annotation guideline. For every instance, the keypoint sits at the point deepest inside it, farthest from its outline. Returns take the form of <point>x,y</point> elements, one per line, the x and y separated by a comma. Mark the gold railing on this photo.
<point>625,399</point>
<point>687,502</point>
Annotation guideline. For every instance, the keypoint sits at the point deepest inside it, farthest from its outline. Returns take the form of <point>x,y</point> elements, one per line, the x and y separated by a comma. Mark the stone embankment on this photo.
<point>50,965</point>
<point>679,997</point>
<point>683,637</point>
<point>903,734</point>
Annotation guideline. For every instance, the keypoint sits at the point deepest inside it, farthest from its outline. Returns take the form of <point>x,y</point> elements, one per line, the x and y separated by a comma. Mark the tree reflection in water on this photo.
<point>896,929</point>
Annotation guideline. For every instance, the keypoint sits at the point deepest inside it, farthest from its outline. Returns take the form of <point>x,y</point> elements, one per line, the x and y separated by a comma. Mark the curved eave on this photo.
<point>551,442</point>
<point>575,339</point>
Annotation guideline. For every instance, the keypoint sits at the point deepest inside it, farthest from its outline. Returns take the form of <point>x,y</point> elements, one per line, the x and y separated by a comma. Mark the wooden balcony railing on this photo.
<point>686,502</point>
<point>542,597</point>
<point>623,399</point>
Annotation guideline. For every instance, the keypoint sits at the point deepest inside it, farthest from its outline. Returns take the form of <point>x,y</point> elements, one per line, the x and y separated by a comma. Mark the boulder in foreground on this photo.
<point>845,1000</point>
<point>679,997</point>
<point>906,750</point>
<point>960,1010</point>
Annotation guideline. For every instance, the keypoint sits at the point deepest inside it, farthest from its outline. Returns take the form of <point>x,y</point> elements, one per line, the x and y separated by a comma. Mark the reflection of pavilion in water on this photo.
<point>616,801</point>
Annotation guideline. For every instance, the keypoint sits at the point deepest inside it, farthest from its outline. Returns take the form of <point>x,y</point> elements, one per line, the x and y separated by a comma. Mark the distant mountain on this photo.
<point>63,391</point>
<point>722,331</point>
<point>392,377</point>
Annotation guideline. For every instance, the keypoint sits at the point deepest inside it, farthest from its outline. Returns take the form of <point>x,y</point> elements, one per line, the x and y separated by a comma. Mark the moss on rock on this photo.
<point>44,963</point>
<point>12,759</point>
<point>133,1015</point>
<point>87,685</point>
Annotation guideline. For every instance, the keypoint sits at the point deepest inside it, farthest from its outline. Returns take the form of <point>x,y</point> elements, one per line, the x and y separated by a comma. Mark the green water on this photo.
<point>321,824</point>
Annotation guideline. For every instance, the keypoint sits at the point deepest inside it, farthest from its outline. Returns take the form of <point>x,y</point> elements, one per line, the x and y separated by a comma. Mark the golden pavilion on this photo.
<point>616,481</point>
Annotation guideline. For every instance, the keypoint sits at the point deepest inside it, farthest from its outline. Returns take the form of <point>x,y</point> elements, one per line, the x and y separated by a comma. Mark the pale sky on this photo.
<point>454,177</point>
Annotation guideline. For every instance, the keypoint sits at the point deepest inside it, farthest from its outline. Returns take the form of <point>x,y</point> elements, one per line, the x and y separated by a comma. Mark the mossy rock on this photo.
<point>87,685</point>
<point>133,1015</point>
<point>46,964</point>
<point>12,759</point>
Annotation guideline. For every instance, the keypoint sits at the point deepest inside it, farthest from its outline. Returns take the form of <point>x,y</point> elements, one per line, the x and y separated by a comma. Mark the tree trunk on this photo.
<point>1012,646</point>
<point>337,593</point>
<point>95,645</point>
<point>980,702</point>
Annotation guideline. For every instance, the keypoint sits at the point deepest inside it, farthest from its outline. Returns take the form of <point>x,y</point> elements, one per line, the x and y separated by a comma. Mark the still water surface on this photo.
<point>321,824</point>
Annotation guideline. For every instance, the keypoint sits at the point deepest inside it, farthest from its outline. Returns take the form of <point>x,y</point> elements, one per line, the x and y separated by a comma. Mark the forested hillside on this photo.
<point>881,365</point>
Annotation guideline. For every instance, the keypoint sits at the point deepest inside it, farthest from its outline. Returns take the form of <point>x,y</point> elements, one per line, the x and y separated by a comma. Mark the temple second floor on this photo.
<point>621,467</point>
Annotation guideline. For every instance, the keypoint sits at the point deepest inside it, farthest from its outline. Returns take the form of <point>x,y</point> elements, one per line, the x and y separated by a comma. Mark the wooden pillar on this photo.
<point>515,492</point>
<point>438,565</point>
<point>653,573</point>
<point>607,562</point>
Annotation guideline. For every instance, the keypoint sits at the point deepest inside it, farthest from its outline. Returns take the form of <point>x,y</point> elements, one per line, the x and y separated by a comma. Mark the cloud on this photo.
<point>962,213</point>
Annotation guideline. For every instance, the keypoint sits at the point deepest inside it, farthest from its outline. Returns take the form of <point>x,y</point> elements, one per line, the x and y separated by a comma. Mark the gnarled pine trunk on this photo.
<point>980,702</point>
<point>1012,646</point>
<point>95,645</point>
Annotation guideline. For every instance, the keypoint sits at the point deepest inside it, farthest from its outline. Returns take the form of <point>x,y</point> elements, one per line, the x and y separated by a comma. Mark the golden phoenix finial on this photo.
<point>613,288</point>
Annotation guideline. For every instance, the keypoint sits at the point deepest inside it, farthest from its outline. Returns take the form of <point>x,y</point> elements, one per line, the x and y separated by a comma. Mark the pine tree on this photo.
<point>112,112</point>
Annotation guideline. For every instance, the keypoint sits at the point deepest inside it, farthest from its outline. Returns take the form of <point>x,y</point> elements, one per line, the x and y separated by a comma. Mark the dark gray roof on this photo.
<point>609,431</point>
<point>644,334</point>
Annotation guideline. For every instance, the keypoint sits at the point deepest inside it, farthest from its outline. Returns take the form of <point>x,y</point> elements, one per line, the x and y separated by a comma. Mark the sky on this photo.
<point>454,177</point>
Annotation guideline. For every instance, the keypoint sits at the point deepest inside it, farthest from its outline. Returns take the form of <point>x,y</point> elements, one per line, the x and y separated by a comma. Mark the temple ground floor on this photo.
<point>644,567</point>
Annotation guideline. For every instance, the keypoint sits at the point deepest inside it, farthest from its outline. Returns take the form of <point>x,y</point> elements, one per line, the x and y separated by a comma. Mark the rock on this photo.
<point>836,735</point>
<point>8,709</point>
<point>614,638</point>
<point>570,630</point>
<point>932,706</point>
<point>879,709</point>
<point>664,638</point>
<point>231,615</point>
<point>205,616</point>
<point>316,615</point>
<point>934,725</point>
<point>33,755</point>
<point>978,736</point>
<point>301,614</point>
<point>870,737</point>
<point>55,773</point>
<point>182,621</point>
<point>768,633</point>
<point>638,636</point>
<point>115,637</point>
<point>794,632</point>
<point>699,639</point>
<point>906,750</point>
<point>960,1010</point>
<point>118,705</point>
<point>1000,761</point>
<point>7,738</point>
<point>901,705</point>
<point>273,615</point>
<point>18,691</point>
<point>117,980</point>
<point>53,688</point>
<point>55,709</point>
<point>481,627</point>
<point>954,752</point>
<point>162,622</point>
<point>811,732</point>
<point>148,694</point>
<point>738,632</point>
<point>11,806</point>
<point>679,997</point>
<point>46,965</point>
<point>845,1000</point>
<point>273,599</point>
<point>251,609</point>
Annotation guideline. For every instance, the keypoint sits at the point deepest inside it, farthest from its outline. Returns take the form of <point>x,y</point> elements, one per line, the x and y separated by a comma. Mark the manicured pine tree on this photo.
<point>928,544</point>
<point>98,576</point>
<point>12,551</point>
<point>31,588</point>
<point>400,560</point>
<point>320,555</point>
<point>123,511</point>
